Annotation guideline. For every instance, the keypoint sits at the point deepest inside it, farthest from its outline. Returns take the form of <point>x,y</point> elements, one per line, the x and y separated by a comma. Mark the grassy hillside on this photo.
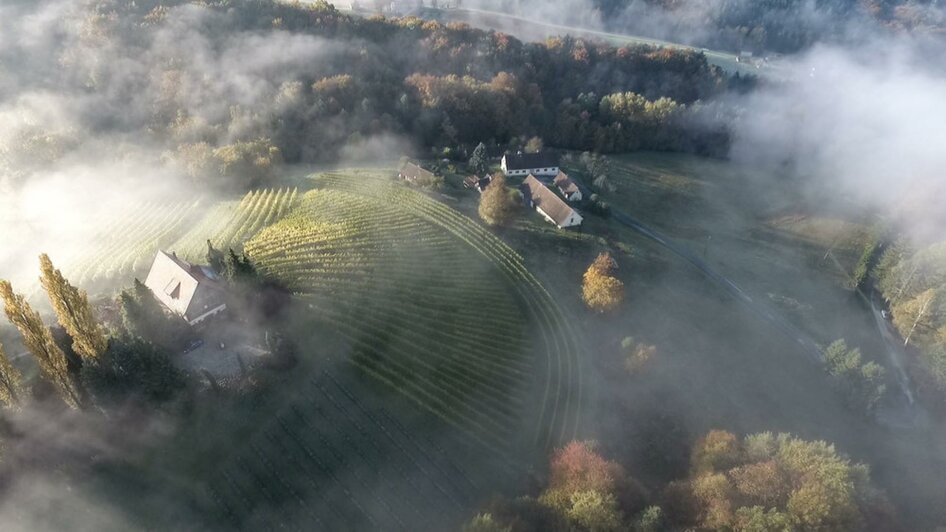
<point>424,344</point>
<point>433,306</point>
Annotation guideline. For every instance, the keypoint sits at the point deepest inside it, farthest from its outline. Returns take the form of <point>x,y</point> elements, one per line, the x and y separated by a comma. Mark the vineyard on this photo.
<point>229,224</point>
<point>433,305</point>
<point>424,306</point>
<point>332,461</point>
<point>128,241</point>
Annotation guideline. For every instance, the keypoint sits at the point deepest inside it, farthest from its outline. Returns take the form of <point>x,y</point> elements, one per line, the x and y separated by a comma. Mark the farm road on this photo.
<point>807,344</point>
<point>901,414</point>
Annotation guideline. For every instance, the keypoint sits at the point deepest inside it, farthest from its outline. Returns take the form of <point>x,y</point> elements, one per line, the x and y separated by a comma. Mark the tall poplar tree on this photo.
<point>74,312</point>
<point>11,382</point>
<point>38,339</point>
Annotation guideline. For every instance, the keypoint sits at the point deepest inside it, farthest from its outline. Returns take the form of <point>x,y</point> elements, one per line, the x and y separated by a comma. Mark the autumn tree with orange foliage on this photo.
<point>773,482</point>
<point>498,203</point>
<point>601,290</point>
<point>590,491</point>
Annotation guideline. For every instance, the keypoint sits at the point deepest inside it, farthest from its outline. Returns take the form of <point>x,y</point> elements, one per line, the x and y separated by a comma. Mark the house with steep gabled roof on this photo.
<point>413,173</point>
<point>542,164</point>
<point>548,204</point>
<point>191,291</point>
<point>567,187</point>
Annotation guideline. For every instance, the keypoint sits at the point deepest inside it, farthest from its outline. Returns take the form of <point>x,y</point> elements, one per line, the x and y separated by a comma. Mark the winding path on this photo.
<point>901,414</point>
<point>804,341</point>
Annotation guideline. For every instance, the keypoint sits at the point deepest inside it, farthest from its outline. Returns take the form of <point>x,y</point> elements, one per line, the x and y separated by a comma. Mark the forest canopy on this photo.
<point>224,95</point>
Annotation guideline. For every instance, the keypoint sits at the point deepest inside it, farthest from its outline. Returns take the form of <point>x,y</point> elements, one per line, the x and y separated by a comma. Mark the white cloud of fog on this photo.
<point>78,107</point>
<point>695,22</point>
<point>870,122</point>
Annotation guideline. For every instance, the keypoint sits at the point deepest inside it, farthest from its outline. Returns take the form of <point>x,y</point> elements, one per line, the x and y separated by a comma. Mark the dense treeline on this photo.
<point>230,90</point>
<point>763,481</point>
<point>912,279</point>
<point>79,359</point>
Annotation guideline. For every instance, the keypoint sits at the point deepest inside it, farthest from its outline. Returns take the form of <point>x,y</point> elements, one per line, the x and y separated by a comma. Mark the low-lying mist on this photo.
<point>101,113</point>
<point>751,25</point>
<point>864,124</point>
<point>98,117</point>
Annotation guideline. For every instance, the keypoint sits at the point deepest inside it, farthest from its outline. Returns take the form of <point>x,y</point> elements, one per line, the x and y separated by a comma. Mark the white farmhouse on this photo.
<point>193,292</point>
<point>550,206</point>
<point>543,164</point>
<point>567,187</point>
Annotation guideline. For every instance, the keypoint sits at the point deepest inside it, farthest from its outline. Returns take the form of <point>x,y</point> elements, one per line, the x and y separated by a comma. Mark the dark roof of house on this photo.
<point>475,181</point>
<point>527,161</point>
<point>565,183</point>
<point>412,171</point>
<point>187,289</point>
<point>545,199</point>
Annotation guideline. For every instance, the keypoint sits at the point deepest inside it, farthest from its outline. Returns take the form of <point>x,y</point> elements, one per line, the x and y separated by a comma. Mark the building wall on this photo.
<point>206,315</point>
<point>550,171</point>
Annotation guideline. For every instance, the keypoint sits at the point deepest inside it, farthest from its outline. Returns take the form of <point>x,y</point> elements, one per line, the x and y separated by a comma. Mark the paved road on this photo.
<point>895,351</point>
<point>896,414</point>
<point>900,414</point>
<point>520,24</point>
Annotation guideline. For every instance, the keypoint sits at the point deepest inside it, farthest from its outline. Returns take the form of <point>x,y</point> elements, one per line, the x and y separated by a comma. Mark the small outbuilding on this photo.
<point>191,291</point>
<point>542,164</point>
<point>553,208</point>
<point>477,183</point>
<point>567,187</point>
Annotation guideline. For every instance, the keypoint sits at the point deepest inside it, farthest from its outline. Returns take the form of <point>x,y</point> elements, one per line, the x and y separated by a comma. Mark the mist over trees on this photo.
<point>751,25</point>
<point>912,280</point>
<point>760,482</point>
<point>224,96</point>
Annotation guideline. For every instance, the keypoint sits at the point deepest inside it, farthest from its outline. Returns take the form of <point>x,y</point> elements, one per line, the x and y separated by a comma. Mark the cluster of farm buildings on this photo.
<point>545,187</point>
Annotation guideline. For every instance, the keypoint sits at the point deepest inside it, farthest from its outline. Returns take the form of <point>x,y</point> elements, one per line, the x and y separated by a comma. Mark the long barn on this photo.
<point>548,204</point>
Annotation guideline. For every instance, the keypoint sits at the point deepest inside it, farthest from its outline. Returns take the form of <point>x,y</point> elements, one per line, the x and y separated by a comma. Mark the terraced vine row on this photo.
<point>423,295</point>
<point>561,404</point>
<point>229,224</point>
<point>327,461</point>
<point>410,301</point>
<point>129,240</point>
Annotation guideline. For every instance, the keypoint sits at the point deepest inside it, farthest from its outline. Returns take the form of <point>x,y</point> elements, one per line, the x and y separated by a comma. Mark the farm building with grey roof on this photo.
<point>537,164</point>
<point>548,204</point>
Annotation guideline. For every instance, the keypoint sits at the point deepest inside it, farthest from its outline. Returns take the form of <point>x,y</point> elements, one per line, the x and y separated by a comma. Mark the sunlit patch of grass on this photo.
<point>829,233</point>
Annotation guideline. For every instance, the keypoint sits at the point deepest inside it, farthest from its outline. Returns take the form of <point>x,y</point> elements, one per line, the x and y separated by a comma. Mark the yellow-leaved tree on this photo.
<point>11,382</point>
<point>74,312</point>
<point>38,340</point>
<point>600,289</point>
<point>498,204</point>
